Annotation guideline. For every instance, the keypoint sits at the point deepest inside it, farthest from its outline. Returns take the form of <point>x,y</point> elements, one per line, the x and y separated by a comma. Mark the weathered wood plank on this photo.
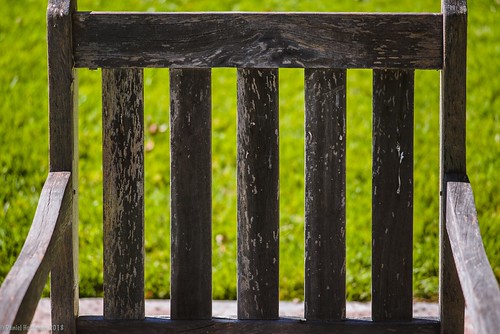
<point>392,195</point>
<point>63,129</point>
<point>191,194</point>
<point>23,286</point>
<point>452,147</point>
<point>258,40</point>
<point>258,194</point>
<point>91,324</point>
<point>123,204</point>
<point>325,194</point>
<point>479,285</point>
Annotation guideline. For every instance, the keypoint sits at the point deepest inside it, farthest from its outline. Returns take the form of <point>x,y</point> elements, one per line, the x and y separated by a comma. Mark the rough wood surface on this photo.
<point>452,147</point>
<point>258,40</point>
<point>23,286</point>
<point>123,193</point>
<point>258,194</point>
<point>91,324</point>
<point>63,129</point>
<point>392,195</point>
<point>478,282</point>
<point>191,194</point>
<point>325,194</point>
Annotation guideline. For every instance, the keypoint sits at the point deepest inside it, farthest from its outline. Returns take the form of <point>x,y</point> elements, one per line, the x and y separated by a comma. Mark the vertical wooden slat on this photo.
<point>191,194</point>
<point>325,194</point>
<point>123,205</point>
<point>392,191</point>
<point>453,157</point>
<point>258,194</point>
<point>63,124</point>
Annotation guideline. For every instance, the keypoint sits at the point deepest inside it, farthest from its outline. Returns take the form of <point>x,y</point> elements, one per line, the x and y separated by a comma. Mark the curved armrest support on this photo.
<point>480,288</point>
<point>23,286</point>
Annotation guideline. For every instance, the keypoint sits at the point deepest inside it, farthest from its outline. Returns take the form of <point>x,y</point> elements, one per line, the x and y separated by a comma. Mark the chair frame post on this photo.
<point>453,157</point>
<point>63,124</point>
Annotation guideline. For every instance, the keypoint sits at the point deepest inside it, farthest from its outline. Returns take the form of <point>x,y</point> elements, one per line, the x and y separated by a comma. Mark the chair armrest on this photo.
<point>479,285</point>
<point>23,286</point>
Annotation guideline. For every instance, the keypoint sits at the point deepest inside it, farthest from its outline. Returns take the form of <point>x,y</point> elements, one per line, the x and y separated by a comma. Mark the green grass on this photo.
<point>24,153</point>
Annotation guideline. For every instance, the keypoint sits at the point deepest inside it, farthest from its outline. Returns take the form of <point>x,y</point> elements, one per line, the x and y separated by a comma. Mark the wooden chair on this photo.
<point>190,44</point>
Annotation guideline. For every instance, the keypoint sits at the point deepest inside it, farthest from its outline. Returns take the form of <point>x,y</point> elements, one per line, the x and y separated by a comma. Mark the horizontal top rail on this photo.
<point>258,40</point>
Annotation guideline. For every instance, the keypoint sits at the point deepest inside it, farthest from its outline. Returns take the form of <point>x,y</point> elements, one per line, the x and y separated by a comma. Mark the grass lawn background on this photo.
<point>24,150</point>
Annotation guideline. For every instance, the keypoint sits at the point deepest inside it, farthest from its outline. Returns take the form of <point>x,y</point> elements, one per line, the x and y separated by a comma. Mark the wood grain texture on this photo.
<point>325,194</point>
<point>258,40</point>
<point>62,86</point>
<point>258,194</point>
<point>452,151</point>
<point>191,194</point>
<point>23,286</point>
<point>478,282</point>
<point>63,137</point>
<point>91,324</point>
<point>123,203</point>
<point>392,195</point>
<point>454,7</point>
